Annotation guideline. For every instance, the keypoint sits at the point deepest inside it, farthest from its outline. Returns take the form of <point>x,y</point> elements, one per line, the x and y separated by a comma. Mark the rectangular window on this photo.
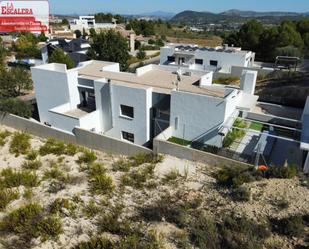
<point>127,111</point>
<point>214,63</point>
<point>171,58</point>
<point>199,61</point>
<point>128,136</point>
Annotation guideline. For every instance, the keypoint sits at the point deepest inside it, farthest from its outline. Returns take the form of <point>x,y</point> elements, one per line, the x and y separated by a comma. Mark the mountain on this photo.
<point>159,13</point>
<point>194,17</point>
<point>243,13</point>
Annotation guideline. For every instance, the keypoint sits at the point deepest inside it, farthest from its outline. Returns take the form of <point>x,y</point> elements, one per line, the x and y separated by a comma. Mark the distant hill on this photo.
<point>195,17</point>
<point>159,13</point>
<point>243,13</point>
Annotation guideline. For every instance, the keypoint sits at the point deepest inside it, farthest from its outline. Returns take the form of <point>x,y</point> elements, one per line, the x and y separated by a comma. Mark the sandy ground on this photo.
<point>195,179</point>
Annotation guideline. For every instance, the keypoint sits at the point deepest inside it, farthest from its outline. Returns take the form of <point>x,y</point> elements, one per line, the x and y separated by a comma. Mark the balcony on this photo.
<point>65,118</point>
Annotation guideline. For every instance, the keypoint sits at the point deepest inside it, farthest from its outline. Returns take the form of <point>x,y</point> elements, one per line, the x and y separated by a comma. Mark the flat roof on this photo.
<point>189,48</point>
<point>158,77</point>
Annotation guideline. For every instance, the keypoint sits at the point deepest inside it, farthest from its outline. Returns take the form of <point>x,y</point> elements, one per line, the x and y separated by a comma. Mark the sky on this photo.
<point>174,6</point>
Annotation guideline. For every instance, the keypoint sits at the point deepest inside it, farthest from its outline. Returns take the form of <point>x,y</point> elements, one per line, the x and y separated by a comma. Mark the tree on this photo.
<point>3,52</point>
<point>65,21</point>
<point>249,35</point>
<point>303,26</point>
<point>288,51</point>
<point>26,46</point>
<point>141,54</point>
<point>42,37</point>
<point>110,46</point>
<point>14,81</point>
<point>268,44</point>
<point>288,35</point>
<point>78,33</point>
<point>16,107</point>
<point>58,56</point>
<point>92,32</point>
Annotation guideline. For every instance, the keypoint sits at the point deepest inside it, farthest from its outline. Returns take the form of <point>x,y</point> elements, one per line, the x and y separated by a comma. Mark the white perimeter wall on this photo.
<point>199,116</point>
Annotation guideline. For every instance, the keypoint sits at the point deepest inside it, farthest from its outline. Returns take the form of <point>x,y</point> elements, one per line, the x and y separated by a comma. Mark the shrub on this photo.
<point>292,226</point>
<point>71,149</point>
<point>6,196</point>
<point>95,169</point>
<point>57,206</point>
<point>30,221</point>
<point>286,172</point>
<point>236,175</point>
<point>143,158</point>
<point>101,184</point>
<point>49,227</point>
<point>171,176</point>
<point>28,194</point>
<point>54,173</point>
<point>98,242</point>
<point>281,203</point>
<point>169,208</point>
<point>55,186</point>
<point>138,177</point>
<point>91,209</point>
<point>235,133</point>
<point>111,222</point>
<point>12,178</point>
<point>20,143</point>
<point>32,165</point>
<point>53,146</point>
<point>203,232</point>
<point>3,136</point>
<point>87,157</point>
<point>242,233</point>
<point>32,155</point>
<point>122,165</point>
<point>241,194</point>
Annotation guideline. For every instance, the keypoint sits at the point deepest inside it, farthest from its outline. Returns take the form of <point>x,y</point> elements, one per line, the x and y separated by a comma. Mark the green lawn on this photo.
<point>179,141</point>
<point>256,126</point>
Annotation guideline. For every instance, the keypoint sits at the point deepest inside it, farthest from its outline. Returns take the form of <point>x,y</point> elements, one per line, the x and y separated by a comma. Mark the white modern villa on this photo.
<point>218,59</point>
<point>88,22</point>
<point>136,107</point>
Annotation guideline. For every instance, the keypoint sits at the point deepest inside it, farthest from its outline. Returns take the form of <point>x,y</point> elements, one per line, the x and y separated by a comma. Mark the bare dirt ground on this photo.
<point>191,181</point>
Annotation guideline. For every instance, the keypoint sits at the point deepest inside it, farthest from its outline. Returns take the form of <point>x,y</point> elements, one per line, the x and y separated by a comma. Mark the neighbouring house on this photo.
<point>88,22</point>
<point>218,59</point>
<point>136,107</point>
<point>75,48</point>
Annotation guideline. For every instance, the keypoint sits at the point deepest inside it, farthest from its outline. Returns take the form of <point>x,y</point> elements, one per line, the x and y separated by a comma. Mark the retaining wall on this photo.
<point>81,137</point>
<point>168,148</point>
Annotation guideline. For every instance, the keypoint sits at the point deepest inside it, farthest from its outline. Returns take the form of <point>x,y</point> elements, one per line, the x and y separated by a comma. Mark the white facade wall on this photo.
<point>232,100</point>
<point>91,122</point>
<point>199,117</point>
<point>141,100</point>
<point>54,86</point>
